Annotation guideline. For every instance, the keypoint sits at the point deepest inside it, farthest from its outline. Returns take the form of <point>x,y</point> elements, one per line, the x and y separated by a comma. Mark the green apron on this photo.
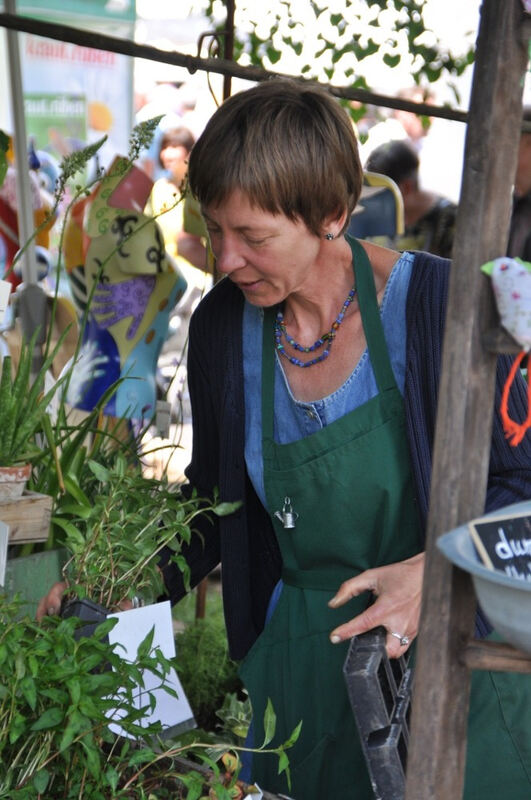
<point>350,485</point>
<point>351,494</point>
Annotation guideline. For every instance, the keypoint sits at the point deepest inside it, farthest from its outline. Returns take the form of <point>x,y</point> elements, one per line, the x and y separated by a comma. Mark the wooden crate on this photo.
<point>28,517</point>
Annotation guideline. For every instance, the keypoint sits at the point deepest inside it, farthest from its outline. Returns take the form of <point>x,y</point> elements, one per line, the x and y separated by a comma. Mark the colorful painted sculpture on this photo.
<point>41,203</point>
<point>125,287</point>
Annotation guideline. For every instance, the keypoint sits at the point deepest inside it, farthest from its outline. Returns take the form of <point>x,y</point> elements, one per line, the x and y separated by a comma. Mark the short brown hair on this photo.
<point>287,145</point>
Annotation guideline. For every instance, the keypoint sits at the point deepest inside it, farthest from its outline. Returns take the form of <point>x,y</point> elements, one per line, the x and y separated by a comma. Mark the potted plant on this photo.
<point>114,538</point>
<point>56,697</point>
<point>23,407</point>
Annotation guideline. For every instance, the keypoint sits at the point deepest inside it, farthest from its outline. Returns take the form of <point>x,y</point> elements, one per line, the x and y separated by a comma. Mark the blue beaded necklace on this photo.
<point>325,339</point>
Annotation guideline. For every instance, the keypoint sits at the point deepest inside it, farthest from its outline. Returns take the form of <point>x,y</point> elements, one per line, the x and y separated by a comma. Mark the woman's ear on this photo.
<point>334,225</point>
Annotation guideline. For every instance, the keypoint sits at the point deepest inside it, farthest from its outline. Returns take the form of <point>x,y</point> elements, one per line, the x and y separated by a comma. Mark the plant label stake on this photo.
<point>4,537</point>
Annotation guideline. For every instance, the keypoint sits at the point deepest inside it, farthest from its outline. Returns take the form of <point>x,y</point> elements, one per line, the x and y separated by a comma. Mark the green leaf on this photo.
<point>112,777</point>
<point>144,648</point>
<point>40,780</point>
<point>270,723</point>
<point>390,60</point>
<point>76,723</point>
<point>139,757</point>
<point>50,718</point>
<point>223,509</point>
<point>294,735</point>
<point>100,472</point>
<point>75,510</point>
<point>283,761</point>
<point>74,687</point>
<point>73,488</point>
<point>20,665</point>
<point>273,54</point>
<point>17,727</point>
<point>29,690</point>
<point>70,529</point>
<point>94,756</point>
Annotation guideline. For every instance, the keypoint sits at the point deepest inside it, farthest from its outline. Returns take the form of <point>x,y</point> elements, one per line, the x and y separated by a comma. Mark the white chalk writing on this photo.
<point>509,548</point>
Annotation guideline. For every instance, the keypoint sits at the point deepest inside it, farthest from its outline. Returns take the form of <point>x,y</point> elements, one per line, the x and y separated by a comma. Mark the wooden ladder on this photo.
<point>446,650</point>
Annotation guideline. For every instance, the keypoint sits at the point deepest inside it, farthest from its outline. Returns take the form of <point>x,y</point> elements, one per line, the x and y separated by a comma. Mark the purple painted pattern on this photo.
<point>115,301</point>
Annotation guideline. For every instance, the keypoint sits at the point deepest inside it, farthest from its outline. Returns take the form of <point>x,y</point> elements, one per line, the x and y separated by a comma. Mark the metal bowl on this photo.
<point>506,601</point>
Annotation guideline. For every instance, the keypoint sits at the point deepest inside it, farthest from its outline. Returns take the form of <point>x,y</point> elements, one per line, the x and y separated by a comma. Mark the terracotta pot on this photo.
<point>13,480</point>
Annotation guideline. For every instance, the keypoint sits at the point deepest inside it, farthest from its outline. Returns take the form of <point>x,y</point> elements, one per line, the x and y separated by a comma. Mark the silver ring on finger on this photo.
<point>404,640</point>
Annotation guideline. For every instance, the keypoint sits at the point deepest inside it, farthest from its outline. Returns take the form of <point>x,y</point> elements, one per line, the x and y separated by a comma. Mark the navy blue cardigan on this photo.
<point>244,542</point>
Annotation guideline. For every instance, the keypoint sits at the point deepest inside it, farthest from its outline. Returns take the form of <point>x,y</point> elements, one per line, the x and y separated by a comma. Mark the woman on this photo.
<point>313,376</point>
<point>313,373</point>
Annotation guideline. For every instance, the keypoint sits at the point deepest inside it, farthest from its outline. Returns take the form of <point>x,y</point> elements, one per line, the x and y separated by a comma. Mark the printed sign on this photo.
<point>504,543</point>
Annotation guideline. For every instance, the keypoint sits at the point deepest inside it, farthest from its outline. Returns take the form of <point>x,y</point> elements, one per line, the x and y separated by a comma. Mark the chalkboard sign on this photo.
<point>504,543</point>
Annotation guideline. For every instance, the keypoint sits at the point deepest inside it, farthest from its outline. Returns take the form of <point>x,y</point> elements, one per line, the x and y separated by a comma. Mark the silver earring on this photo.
<point>329,236</point>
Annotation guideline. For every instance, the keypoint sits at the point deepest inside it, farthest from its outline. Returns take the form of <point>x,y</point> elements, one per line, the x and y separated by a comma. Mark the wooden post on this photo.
<point>462,440</point>
<point>200,598</point>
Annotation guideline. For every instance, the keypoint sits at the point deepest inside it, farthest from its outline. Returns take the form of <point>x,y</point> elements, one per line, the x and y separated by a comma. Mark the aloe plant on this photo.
<point>23,405</point>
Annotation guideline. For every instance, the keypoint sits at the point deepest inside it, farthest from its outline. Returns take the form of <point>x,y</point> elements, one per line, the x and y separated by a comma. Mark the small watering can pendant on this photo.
<point>287,516</point>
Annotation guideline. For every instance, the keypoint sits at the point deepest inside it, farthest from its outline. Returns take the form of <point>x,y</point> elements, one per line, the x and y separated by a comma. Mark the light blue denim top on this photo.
<point>294,419</point>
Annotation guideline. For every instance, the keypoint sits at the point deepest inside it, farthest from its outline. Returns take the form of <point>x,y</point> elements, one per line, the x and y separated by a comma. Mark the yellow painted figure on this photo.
<point>125,284</point>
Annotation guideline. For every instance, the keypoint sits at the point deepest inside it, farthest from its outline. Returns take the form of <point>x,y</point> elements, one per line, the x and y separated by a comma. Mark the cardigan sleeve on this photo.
<point>242,542</point>
<point>509,476</point>
<point>202,553</point>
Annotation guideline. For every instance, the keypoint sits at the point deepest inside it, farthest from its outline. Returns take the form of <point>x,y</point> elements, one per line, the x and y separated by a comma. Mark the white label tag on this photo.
<point>163,419</point>
<point>4,537</point>
<point>133,626</point>
<point>5,290</point>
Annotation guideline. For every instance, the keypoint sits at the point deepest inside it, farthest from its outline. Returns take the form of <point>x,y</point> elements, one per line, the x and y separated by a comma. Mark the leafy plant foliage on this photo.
<point>23,406</point>
<point>55,695</point>
<point>206,671</point>
<point>330,41</point>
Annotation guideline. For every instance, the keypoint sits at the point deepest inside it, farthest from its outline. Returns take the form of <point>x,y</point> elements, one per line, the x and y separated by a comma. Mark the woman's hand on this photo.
<point>51,603</point>
<point>398,589</point>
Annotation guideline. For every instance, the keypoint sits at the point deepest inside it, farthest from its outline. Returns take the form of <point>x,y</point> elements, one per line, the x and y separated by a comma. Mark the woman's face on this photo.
<point>266,255</point>
<point>175,160</point>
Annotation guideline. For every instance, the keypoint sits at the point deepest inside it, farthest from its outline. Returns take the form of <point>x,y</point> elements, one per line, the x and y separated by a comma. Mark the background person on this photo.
<point>166,198</point>
<point>429,219</point>
<point>184,243</point>
<point>313,370</point>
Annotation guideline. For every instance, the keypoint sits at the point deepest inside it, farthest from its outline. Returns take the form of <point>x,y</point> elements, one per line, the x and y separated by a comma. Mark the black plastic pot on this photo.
<point>87,611</point>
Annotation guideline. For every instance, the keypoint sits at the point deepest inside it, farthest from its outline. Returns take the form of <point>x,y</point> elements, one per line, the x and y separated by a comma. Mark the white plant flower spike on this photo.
<point>511,283</point>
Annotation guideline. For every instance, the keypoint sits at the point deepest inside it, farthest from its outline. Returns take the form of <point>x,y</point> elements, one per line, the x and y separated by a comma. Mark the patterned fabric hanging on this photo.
<point>511,282</point>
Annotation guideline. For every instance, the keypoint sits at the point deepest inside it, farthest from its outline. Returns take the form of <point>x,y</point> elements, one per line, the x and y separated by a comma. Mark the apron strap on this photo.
<point>370,317</point>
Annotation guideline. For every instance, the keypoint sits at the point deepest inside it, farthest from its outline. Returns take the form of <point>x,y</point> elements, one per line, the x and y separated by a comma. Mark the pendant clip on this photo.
<point>287,516</point>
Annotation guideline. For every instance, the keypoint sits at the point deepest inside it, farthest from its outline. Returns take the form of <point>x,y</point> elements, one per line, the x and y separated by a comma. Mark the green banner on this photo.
<point>63,10</point>
<point>56,122</point>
